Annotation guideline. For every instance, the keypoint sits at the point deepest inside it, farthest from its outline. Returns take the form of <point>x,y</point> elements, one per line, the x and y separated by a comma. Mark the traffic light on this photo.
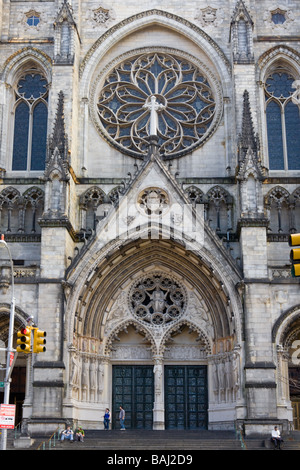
<point>39,340</point>
<point>294,240</point>
<point>24,340</point>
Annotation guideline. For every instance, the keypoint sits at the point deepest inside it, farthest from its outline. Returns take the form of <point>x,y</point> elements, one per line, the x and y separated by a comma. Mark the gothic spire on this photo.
<point>247,138</point>
<point>65,13</point>
<point>59,138</point>
<point>241,11</point>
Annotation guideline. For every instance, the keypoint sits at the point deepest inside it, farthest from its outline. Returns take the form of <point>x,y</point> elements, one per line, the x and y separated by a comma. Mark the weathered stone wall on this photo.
<point>101,35</point>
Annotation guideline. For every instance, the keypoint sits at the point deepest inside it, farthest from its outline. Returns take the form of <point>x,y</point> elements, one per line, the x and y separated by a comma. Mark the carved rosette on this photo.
<point>157,299</point>
<point>183,91</point>
<point>153,202</point>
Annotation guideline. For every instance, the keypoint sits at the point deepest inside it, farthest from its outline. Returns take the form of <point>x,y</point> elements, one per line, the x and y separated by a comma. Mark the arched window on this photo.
<point>219,214</point>
<point>283,122</point>
<point>93,207</point>
<point>30,129</point>
<point>277,203</point>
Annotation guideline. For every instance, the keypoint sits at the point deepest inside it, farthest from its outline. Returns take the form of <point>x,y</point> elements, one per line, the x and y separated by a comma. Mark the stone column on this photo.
<point>260,369</point>
<point>104,388</point>
<point>49,367</point>
<point>159,406</point>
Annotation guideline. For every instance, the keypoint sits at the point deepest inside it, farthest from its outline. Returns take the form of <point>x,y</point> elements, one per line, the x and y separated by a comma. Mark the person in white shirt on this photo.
<point>122,418</point>
<point>276,438</point>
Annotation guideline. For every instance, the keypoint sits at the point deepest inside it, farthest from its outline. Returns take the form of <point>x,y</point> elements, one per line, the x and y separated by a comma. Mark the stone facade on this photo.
<point>194,208</point>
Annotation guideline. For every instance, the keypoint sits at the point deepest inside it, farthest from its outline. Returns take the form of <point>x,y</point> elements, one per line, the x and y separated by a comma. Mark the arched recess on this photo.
<point>104,333</point>
<point>279,58</point>
<point>115,272</point>
<point>22,366</point>
<point>27,60</point>
<point>17,61</point>
<point>123,327</point>
<point>204,341</point>
<point>277,203</point>
<point>20,320</point>
<point>286,339</point>
<point>142,20</point>
<point>148,30</point>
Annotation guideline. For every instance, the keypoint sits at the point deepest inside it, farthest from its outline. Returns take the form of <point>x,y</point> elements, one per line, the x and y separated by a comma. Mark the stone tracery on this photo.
<point>157,299</point>
<point>181,90</point>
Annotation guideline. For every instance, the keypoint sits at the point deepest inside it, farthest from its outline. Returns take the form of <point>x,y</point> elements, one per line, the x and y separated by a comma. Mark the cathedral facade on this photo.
<point>150,179</point>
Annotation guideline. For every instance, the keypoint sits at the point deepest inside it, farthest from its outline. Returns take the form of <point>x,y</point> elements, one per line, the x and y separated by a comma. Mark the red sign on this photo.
<point>11,358</point>
<point>7,416</point>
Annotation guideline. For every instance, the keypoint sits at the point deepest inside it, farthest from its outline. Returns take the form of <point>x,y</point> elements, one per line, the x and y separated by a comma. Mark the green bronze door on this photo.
<point>186,400</point>
<point>133,388</point>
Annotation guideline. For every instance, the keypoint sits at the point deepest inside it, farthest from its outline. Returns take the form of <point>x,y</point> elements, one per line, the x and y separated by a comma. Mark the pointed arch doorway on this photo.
<point>289,357</point>
<point>186,396</point>
<point>171,388</point>
<point>286,337</point>
<point>154,308</point>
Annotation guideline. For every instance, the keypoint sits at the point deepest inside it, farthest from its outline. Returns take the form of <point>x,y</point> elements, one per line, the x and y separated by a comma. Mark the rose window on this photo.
<point>157,299</point>
<point>157,91</point>
<point>153,201</point>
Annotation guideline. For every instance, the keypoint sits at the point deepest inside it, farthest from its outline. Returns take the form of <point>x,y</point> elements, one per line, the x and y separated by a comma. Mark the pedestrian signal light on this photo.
<point>294,240</point>
<point>39,341</point>
<point>24,340</point>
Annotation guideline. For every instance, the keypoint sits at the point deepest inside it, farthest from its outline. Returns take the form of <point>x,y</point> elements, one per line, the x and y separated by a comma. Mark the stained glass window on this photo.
<point>33,20</point>
<point>292,125</point>
<point>179,91</point>
<point>275,136</point>
<point>278,18</point>
<point>283,122</point>
<point>30,131</point>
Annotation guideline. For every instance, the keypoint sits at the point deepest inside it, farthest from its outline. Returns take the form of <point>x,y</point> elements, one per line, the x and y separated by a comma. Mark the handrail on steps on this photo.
<point>239,435</point>
<point>51,441</point>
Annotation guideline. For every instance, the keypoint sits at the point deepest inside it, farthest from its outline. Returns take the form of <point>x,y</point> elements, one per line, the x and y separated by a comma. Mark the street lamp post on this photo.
<point>9,343</point>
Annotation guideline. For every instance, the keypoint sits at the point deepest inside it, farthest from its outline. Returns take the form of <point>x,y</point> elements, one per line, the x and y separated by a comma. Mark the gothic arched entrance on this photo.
<point>152,317</point>
<point>286,336</point>
<point>164,388</point>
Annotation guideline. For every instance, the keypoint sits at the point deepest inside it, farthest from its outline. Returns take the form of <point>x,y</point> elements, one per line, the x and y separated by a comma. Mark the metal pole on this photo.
<point>9,343</point>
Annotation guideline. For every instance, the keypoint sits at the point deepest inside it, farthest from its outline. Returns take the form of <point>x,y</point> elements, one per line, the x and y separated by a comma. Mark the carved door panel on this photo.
<point>296,414</point>
<point>133,388</point>
<point>186,400</point>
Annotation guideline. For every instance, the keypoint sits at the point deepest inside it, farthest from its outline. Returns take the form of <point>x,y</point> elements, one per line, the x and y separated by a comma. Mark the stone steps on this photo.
<point>176,441</point>
<point>154,441</point>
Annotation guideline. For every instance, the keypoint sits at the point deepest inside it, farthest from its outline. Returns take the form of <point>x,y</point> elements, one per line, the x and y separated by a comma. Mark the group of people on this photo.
<point>79,433</point>
<point>107,417</point>
<point>276,438</point>
<point>68,434</point>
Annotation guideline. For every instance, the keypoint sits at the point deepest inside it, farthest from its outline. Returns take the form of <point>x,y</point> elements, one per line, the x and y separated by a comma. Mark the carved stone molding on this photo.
<point>210,16</point>
<point>165,16</point>
<point>101,17</point>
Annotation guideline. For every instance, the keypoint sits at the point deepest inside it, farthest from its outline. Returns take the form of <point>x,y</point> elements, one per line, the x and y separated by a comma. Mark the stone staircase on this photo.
<point>169,440</point>
<point>142,440</point>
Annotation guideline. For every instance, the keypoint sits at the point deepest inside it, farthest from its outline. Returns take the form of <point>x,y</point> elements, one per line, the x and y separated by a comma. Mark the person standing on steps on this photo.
<point>106,419</point>
<point>122,418</point>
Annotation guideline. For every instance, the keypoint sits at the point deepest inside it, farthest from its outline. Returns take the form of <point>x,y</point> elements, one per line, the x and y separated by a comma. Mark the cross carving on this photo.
<point>154,107</point>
